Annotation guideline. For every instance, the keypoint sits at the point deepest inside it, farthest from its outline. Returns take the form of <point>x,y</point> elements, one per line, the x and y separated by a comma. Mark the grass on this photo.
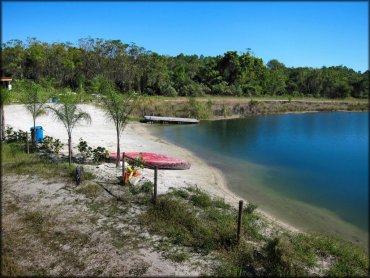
<point>16,161</point>
<point>186,217</point>
<point>211,107</point>
<point>177,256</point>
<point>191,218</point>
<point>90,190</point>
<point>206,229</point>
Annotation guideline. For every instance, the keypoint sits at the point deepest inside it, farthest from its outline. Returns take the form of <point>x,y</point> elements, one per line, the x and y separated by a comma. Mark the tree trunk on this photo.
<point>118,150</point>
<point>34,134</point>
<point>69,150</point>
<point>2,134</point>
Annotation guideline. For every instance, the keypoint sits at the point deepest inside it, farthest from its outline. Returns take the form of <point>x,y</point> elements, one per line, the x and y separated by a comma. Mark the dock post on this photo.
<point>155,184</point>
<point>239,219</point>
<point>123,168</point>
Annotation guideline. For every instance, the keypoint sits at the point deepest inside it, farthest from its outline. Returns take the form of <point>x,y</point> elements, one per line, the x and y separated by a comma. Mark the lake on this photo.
<point>309,170</point>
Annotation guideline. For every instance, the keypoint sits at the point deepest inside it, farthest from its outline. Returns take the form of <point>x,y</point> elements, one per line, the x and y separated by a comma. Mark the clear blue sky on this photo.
<point>311,34</point>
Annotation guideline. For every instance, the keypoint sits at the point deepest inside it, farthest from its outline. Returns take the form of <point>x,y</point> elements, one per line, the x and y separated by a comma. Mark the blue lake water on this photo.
<point>310,170</point>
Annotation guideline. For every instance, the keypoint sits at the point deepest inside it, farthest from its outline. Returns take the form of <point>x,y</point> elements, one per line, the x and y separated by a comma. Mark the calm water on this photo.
<point>310,170</point>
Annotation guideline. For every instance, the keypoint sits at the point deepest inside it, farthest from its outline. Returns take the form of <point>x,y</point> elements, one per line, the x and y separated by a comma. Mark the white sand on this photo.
<point>136,137</point>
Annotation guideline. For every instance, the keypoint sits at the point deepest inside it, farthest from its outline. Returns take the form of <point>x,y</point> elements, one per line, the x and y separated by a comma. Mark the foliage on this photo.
<point>199,110</point>
<point>84,149</point>
<point>12,136</point>
<point>34,97</point>
<point>87,66</point>
<point>118,108</point>
<point>100,154</point>
<point>208,226</point>
<point>51,145</point>
<point>16,160</point>
<point>96,155</point>
<point>69,114</point>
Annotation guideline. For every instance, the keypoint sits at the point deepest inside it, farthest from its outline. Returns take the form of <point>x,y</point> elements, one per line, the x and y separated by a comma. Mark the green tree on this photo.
<point>34,97</point>
<point>276,78</point>
<point>117,108</point>
<point>69,114</point>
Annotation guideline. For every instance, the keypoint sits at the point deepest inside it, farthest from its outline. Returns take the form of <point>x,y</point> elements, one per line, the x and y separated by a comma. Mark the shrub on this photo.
<point>51,145</point>
<point>96,155</point>
<point>100,154</point>
<point>12,136</point>
<point>84,149</point>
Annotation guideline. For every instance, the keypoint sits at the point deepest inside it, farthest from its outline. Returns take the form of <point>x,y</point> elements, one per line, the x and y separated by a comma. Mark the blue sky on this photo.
<point>311,34</point>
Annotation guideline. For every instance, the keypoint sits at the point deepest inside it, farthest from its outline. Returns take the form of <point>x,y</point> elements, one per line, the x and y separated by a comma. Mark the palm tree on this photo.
<point>69,114</point>
<point>117,108</point>
<point>34,97</point>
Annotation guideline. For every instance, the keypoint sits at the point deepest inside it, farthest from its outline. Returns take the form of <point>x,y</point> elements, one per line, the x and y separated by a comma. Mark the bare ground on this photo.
<point>56,228</point>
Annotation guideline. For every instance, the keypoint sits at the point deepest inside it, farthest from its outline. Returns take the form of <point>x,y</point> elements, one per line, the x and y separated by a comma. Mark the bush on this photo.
<point>84,149</point>
<point>96,155</point>
<point>100,154</point>
<point>51,145</point>
<point>12,136</point>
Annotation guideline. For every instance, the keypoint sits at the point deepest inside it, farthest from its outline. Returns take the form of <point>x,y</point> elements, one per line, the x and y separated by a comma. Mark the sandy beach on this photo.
<point>136,137</point>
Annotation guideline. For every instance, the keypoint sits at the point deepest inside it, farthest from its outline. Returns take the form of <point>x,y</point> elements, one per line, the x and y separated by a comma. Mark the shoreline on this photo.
<point>222,190</point>
<point>140,137</point>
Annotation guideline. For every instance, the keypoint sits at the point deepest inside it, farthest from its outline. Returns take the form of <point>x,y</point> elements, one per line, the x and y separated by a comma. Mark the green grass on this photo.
<point>350,259</point>
<point>201,199</point>
<point>193,219</point>
<point>16,161</point>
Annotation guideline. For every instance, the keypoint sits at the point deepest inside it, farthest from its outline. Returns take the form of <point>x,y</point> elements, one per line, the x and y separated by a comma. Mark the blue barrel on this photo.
<point>54,100</point>
<point>39,134</point>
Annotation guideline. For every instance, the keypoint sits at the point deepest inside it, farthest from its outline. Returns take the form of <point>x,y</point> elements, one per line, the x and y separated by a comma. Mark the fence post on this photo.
<point>239,219</point>
<point>155,184</point>
<point>27,143</point>
<point>123,168</point>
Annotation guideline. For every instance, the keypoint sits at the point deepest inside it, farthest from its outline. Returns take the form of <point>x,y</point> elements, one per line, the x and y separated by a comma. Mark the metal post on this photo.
<point>123,168</point>
<point>155,184</point>
<point>27,143</point>
<point>239,219</point>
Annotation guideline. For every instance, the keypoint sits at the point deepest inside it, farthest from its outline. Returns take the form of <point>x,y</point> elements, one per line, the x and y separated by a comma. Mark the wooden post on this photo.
<point>123,168</point>
<point>155,184</point>
<point>27,143</point>
<point>239,219</point>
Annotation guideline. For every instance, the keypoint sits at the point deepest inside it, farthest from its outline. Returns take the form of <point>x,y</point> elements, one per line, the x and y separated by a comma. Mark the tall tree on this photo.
<point>69,114</point>
<point>118,107</point>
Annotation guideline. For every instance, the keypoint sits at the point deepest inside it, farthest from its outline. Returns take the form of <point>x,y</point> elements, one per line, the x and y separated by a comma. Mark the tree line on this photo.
<point>88,65</point>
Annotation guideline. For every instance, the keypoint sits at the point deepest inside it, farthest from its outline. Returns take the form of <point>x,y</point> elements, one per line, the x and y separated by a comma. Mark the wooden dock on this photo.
<point>169,120</point>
